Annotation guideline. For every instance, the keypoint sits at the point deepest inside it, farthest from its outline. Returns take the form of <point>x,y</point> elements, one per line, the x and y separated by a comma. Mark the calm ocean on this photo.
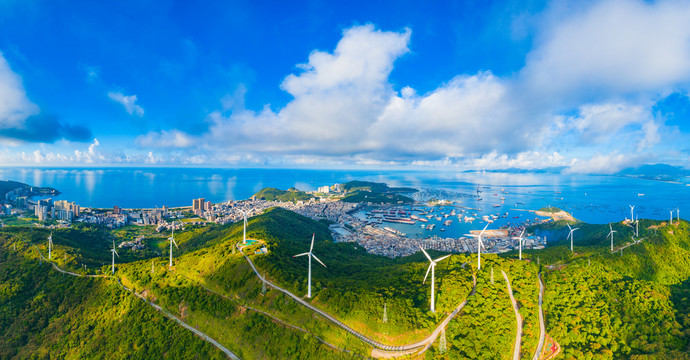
<point>594,199</point>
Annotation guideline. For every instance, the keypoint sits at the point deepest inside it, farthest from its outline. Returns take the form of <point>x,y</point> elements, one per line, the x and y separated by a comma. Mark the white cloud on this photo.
<point>91,155</point>
<point>595,73</point>
<point>604,163</point>
<point>15,106</point>
<point>165,139</point>
<point>611,47</point>
<point>128,101</point>
<point>597,123</point>
<point>525,160</point>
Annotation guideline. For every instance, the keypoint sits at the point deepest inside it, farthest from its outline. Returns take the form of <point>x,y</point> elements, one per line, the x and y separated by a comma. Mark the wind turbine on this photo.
<point>611,235</point>
<point>309,255</point>
<point>114,253</point>
<point>632,207</point>
<point>172,241</point>
<point>670,217</point>
<point>431,268</point>
<point>244,231</point>
<point>678,215</point>
<point>570,235</point>
<point>519,238</point>
<point>50,244</point>
<point>479,245</point>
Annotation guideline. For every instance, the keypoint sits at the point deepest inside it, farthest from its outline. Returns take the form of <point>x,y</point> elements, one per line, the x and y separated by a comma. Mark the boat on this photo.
<point>497,205</point>
<point>640,194</point>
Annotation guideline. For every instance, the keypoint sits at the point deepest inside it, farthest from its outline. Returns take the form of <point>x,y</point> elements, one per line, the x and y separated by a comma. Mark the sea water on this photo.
<point>590,198</point>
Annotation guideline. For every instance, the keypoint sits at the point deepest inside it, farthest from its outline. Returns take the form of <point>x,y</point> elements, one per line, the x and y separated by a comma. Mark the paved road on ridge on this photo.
<point>542,326</point>
<point>213,342</point>
<point>518,318</point>
<point>422,343</point>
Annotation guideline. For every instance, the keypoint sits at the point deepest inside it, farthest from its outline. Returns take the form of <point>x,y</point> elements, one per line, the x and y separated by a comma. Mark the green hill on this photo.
<point>46,315</point>
<point>366,191</point>
<point>273,194</point>
<point>597,305</point>
<point>9,185</point>
<point>375,187</point>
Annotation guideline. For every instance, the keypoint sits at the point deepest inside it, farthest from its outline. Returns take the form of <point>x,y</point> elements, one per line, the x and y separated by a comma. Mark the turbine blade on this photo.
<point>427,273</point>
<point>302,254</point>
<point>441,258</point>
<point>425,254</point>
<point>317,259</point>
<point>312,242</point>
<point>523,232</point>
<point>571,229</point>
<point>118,255</point>
<point>482,233</point>
<point>174,242</point>
<point>576,229</point>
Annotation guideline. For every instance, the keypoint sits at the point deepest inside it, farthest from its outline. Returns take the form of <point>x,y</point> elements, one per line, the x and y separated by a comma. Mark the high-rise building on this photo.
<point>116,210</point>
<point>324,189</point>
<point>208,206</point>
<point>198,204</point>
<point>22,201</point>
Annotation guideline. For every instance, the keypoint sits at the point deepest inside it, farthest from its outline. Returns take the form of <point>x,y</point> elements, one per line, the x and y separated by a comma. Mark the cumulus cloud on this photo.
<point>166,139</point>
<point>128,101</point>
<point>595,73</point>
<point>15,106</point>
<point>604,163</point>
<point>21,120</point>
<point>530,160</point>
<point>611,47</point>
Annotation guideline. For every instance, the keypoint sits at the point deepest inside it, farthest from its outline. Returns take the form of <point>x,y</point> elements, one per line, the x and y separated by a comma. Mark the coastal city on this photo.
<point>370,225</point>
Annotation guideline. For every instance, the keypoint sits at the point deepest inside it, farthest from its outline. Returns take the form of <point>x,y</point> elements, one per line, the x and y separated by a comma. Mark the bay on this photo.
<point>590,198</point>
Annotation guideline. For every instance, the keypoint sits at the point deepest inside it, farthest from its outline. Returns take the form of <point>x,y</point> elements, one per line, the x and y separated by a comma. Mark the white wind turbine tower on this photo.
<point>670,219</point>
<point>519,238</point>
<point>244,231</point>
<point>431,268</point>
<point>611,235</point>
<point>172,241</point>
<point>50,244</point>
<point>310,255</point>
<point>637,226</point>
<point>570,235</point>
<point>678,215</point>
<point>114,253</point>
<point>632,207</point>
<point>479,245</point>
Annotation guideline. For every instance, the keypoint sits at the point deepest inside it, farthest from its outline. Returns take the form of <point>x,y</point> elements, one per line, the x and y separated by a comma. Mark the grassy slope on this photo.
<point>619,307</point>
<point>46,315</point>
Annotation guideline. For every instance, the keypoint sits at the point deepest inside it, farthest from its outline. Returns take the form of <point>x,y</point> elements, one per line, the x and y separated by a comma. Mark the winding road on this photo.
<point>518,318</point>
<point>542,326</point>
<point>212,341</point>
<point>424,343</point>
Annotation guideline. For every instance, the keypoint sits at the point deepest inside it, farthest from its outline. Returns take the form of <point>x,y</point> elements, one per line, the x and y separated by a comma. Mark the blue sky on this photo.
<point>590,86</point>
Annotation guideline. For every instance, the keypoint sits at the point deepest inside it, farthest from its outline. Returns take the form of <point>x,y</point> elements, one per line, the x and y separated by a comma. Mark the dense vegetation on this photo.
<point>375,187</point>
<point>598,304</point>
<point>273,194</point>
<point>365,191</point>
<point>44,314</point>
<point>9,185</point>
